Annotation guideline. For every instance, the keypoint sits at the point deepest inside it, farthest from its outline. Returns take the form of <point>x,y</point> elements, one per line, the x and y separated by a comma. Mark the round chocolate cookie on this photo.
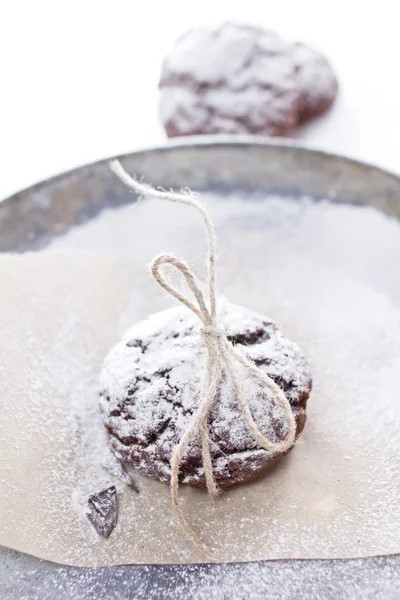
<point>236,78</point>
<point>316,81</point>
<point>229,79</point>
<point>150,384</point>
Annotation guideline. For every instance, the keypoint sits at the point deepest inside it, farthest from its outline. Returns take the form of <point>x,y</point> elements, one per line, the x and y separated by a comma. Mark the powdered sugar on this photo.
<point>328,275</point>
<point>212,55</point>
<point>371,579</point>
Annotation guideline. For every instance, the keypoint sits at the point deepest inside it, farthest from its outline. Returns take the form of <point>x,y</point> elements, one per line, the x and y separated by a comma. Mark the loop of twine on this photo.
<point>222,356</point>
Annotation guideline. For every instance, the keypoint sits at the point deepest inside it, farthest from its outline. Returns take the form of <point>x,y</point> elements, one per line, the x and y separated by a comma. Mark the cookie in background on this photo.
<point>235,78</point>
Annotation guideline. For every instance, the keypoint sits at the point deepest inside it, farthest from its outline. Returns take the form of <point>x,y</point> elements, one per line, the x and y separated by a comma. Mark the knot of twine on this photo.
<point>222,356</point>
<point>213,331</point>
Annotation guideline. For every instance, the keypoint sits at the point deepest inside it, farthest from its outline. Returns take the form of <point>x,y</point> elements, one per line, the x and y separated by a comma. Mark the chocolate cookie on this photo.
<point>241,79</point>
<point>316,81</point>
<point>151,379</point>
<point>229,79</point>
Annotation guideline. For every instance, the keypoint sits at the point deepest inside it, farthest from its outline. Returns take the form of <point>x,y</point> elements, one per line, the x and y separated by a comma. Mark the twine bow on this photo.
<point>222,356</point>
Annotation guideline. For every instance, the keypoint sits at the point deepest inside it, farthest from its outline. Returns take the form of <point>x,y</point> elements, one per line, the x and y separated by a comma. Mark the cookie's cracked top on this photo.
<point>150,385</point>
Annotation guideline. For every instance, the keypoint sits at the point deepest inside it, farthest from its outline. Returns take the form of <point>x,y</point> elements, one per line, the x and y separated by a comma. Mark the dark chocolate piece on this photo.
<point>103,511</point>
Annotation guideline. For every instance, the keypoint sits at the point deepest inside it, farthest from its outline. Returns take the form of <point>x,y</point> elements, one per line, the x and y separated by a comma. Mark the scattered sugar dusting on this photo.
<point>328,276</point>
<point>369,579</point>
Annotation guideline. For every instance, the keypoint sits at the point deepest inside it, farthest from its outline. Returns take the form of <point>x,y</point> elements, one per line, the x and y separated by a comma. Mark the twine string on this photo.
<point>222,356</point>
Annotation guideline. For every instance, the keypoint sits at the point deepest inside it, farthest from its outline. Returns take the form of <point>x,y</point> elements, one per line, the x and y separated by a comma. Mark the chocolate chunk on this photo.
<point>103,511</point>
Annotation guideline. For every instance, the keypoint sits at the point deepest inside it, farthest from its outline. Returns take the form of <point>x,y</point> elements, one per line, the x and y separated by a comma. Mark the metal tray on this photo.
<point>31,219</point>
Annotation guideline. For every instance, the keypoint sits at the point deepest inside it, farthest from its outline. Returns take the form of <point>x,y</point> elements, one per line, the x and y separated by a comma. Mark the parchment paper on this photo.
<point>335,495</point>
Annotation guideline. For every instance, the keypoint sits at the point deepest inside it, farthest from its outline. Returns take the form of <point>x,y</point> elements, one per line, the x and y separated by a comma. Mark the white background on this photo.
<point>79,78</point>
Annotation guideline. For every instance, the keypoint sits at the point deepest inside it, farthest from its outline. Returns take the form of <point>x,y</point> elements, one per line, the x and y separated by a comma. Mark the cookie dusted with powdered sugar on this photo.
<point>150,384</point>
<point>235,78</point>
<point>229,79</point>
